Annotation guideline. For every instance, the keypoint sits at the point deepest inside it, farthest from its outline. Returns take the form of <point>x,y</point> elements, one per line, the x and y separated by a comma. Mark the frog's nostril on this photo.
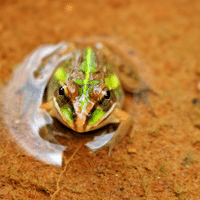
<point>74,115</point>
<point>89,115</point>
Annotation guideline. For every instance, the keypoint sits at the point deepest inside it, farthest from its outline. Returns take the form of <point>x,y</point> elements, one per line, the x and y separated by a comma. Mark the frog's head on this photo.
<point>83,103</point>
<point>83,112</point>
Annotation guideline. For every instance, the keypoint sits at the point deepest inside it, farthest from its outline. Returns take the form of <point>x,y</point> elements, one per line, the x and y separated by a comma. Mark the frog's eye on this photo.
<point>62,95</point>
<point>107,95</point>
<point>105,100</point>
<point>61,91</point>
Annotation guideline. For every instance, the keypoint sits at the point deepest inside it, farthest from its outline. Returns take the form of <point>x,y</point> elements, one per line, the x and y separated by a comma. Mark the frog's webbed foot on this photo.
<point>48,133</point>
<point>112,138</point>
<point>142,95</point>
<point>123,128</point>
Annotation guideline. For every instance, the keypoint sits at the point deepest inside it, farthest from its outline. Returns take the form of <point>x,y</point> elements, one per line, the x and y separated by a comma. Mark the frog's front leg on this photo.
<point>125,124</point>
<point>50,131</point>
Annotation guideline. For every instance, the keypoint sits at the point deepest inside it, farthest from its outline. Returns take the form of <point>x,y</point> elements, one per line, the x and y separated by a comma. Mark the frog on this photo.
<point>81,84</point>
<point>85,91</point>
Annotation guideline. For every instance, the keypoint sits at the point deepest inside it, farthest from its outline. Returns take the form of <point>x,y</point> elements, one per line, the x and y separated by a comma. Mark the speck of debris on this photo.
<point>132,151</point>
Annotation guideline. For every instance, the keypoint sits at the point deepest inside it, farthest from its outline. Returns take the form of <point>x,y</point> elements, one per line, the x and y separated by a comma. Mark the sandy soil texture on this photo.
<point>159,159</point>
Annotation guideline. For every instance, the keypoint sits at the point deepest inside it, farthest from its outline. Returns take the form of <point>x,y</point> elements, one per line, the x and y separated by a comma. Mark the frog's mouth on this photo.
<point>84,120</point>
<point>96,120</point>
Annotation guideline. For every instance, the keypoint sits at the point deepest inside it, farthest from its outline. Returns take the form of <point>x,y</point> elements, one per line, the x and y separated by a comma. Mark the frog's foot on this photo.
<point>48,133</point>
<point>142,95</point>
<point>47,106</point>
<point>112,137</point>
<point>123,128</point>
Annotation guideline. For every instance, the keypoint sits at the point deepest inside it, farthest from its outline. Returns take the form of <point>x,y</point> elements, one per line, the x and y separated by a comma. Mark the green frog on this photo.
<point>79,83</point>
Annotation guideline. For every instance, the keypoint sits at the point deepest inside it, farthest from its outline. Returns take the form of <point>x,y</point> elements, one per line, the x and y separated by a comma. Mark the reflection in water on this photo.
<point>35,131</point>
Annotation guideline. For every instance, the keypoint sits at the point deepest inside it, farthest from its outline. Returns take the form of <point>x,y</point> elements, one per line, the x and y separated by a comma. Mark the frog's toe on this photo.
<point>143,96</point>
<point>48,133</point>
<point>101,141</point>
<point>111,147</point>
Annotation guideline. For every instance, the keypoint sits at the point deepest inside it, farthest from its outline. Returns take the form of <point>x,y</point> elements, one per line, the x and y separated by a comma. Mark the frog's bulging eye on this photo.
<point>62,96</point>
<point>61,91</point>
<point>107,95</point>
<point>105,101</point>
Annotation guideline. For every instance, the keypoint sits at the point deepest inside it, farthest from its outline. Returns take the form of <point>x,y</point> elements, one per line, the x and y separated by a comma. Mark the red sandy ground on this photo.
<point>159,159</point>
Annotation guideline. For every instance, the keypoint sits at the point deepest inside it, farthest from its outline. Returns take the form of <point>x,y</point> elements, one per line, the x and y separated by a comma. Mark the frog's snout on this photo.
<point>81,122</point>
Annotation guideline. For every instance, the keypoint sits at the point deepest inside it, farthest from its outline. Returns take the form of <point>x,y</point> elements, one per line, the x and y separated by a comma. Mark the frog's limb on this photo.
<point>48,106</point>
<point>124,126</point>
<point>48,133</point>
<point>51,110</point>
<point>142,95</point>
<point>49,130</point>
